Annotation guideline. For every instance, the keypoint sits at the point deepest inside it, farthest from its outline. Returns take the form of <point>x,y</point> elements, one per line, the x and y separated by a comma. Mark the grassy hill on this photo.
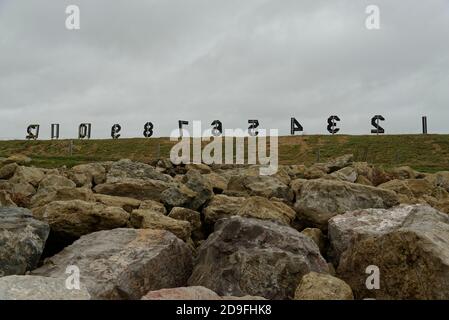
<point>428,153</point>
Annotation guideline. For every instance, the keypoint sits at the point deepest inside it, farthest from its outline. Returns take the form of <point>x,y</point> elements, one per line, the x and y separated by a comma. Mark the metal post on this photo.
<point>71,147</point>
<point>424,125</point>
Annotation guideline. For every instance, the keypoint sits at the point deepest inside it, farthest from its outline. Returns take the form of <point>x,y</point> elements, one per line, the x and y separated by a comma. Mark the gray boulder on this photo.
<point>321,199</point>
<point>126,168</point>
<point>38,288</point>
<point>124,263</point>
<point>22,240</point>
<point>222,206</point>
<point>134,188</point>
<point>72,219</point>
<point>409,245</point>
<point>246,256</point>
<point>263,186</point>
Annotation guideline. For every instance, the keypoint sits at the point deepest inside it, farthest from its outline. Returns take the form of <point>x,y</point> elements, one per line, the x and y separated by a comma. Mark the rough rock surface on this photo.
<point>404,172</point>
<point>148,219</point>
<point>72,219</point>
<point>7,171</point>
<point>38,288</point>
<point>246,256</point>
<point>183,293</point>
<point>127,204</point>
<point>54,181</point>
<point>124,263</point>
<point>370,174</point>
<point>264,186</point>
<point>193,217</point>
<point>29,175</point>
<point>319,286</point>
<point>5,199</point>
<point>87,175</point>
<point>203,190</point>
<point>46,196</point>
<point>219,183</point>
<point>339,163</point>
<point>153,205</point>
<point>410,188</point>
<point>22,240</point>
<point>346,174</point>
<point>262,208</point>
<point>134,188</point>
<point>191,293</point>
<point>20,159</point>
<point>321,199</point>
<point>222,206</point>
<point>179,196</point>
<point>442,179</point>
<point>409,245</point>
<point>317,236</point>
<point>126,168</point>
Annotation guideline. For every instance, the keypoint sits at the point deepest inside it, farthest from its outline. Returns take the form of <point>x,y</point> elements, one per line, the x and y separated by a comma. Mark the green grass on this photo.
<point>428,153</point>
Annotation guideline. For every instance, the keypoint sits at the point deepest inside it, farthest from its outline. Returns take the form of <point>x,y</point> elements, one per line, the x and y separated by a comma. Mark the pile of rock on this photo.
<point>141,231</point>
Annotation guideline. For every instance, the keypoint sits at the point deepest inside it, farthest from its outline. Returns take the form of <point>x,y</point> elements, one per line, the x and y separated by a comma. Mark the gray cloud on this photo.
<point>165,60</point>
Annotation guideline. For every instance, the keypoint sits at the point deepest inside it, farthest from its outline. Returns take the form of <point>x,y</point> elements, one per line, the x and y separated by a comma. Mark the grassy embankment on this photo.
<point>427,153</point>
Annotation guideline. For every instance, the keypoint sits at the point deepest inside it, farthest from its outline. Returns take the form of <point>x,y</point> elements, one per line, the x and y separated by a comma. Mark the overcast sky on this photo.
<point>232,60</point>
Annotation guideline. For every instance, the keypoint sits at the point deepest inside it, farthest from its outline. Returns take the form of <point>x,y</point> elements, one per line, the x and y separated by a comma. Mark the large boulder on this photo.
<point>127,204</point>
<point>153,205</point>
<point>319,286</point>
<point>191,216</point>
<point>321,199</point>
<point>29,175</point>
<point>124,263</point>
<point>262,208</point>
<point>370,175</point>
<point>148,219</point>
<point>264,186</point>
<point>39,288</point>
<point>20,193</point>
<point>182,293</point>
<point>7,171</point>
<point>74,218</point>
<point>411,191</point>
<point>54,181</point>
<point>22,240</point>
<point>219,183</point>
<point>442,179</point>
<point>408,245</point>
<point>87,175</point>
<point>45,196</point>
<point>203,189</point>
<point>283,174</point>
<point>348,174</point>
<point>18,158</point>
<point>315,171</point>
<point>201,167</point>
<point>246,256</point>
<point>134,188</point>
<point>339,163</point>
<point>125,169</point>
<point>222,206</point>
<point>191,293</point>
<point>178,196</point>
<point>404,172</point>
<point>192,192</point>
